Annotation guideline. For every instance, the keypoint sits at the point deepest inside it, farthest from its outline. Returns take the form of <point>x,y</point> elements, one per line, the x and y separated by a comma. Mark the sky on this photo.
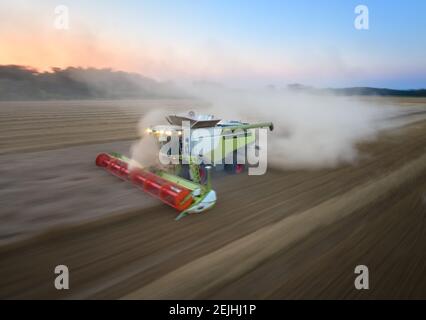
<point>238,42</point>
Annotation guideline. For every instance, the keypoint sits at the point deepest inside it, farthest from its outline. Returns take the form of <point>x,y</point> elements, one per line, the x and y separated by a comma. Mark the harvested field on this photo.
<point>287,234</point>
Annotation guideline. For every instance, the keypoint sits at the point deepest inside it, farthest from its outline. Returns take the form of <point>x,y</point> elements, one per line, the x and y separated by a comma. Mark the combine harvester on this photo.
<point>187,187</point>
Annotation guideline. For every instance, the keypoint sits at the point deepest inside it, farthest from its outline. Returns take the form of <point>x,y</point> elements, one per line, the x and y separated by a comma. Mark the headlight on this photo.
<point>168,133</point>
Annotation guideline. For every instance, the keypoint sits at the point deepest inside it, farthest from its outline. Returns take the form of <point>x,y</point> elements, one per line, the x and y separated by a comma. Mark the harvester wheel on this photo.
<point>203,174</point>
<point>234,168</point>
<point>186,173</point>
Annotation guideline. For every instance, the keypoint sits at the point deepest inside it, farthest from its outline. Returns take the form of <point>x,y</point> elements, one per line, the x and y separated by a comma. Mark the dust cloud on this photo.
<point>312,131</point>
<point>145,151</point>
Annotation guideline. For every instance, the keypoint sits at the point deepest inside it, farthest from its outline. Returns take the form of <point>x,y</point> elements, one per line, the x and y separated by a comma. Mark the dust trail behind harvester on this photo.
<point>312,131</point>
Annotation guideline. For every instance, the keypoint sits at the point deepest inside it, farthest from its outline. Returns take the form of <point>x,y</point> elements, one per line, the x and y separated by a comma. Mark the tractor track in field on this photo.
<point>241,256</point>
<point>287,234</point>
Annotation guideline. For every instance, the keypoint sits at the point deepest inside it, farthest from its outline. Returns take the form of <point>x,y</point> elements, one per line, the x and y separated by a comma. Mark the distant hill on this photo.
<point>23,83</point>
<point>366,91</point>
<point>360,91</point>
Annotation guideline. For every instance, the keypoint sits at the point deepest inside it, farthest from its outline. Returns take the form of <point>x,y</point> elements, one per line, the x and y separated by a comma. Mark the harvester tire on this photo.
<point>234,168</point>
<point>186,173</point>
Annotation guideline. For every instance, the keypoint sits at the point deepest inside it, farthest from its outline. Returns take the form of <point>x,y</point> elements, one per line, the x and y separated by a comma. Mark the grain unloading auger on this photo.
<point>186,186</point>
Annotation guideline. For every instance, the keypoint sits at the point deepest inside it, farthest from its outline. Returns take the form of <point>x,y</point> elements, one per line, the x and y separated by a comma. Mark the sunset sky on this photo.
<point>313,42</point>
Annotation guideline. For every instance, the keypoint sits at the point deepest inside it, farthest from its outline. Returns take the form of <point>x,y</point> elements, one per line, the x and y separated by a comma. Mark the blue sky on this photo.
<point>309,41</point>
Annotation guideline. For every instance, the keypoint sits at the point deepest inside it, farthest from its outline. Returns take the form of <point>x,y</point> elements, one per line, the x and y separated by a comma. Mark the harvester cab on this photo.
<point>193,146</point>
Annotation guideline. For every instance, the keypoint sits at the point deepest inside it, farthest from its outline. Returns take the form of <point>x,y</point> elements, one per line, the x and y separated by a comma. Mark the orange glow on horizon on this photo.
<point>47,48</point>
<point>43,53</point>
